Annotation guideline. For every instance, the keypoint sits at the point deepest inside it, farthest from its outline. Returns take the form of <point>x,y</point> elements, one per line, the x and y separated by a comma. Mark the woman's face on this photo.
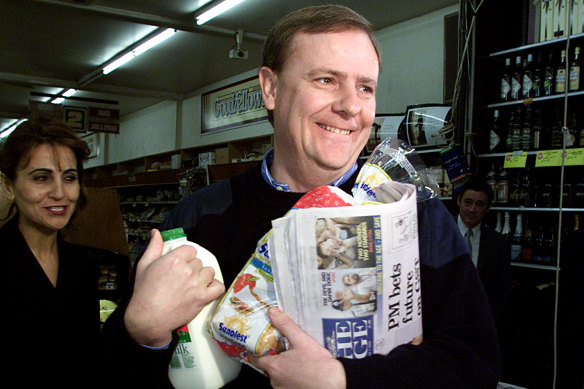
<point>46,188</point>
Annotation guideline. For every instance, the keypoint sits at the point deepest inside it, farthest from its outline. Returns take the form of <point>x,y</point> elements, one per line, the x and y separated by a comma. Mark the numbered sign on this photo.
<point>76,118</point>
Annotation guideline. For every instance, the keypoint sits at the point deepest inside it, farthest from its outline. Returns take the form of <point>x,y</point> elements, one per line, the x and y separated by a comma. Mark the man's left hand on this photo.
<point>306,364</point>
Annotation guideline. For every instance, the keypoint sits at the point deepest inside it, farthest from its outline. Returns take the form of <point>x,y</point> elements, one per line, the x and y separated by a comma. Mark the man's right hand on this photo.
<point>169,292</point>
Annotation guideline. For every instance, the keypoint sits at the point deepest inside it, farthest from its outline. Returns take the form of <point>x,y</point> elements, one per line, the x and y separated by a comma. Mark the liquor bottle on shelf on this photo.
<point>536,130</point>
<point>528,75</point>
<point>578,193</point>
<point>546,195</point>
<point>524,193</point>
<point>560,77</point>
<point>516,79</point>
<point>537,244</point>
<point>491,179</point>
<point>537,77</point>
<point>526,133</point>
<point>572,139</point>
<point>527,243</point>
<point>506,230</point>
<point>516,133</point>
<point>505,94</point>
<point>502,187</point>
<point>497,137</point>
<point>575,71</point>
<point>567,194</point>
<point>509,135</point>
<point>499,225</point>
<point>557,136</point>
<point>514,190</point>
<point>548,76</point>
<point>548,246</point>
<point>516,241</point>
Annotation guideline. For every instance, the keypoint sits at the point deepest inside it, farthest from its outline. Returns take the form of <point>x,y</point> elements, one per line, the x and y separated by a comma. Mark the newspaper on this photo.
<point>345,268</point>
<point>350,276</point>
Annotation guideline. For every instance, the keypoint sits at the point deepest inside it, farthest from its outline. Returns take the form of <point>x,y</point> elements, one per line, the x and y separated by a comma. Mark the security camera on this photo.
<point>237,53</point>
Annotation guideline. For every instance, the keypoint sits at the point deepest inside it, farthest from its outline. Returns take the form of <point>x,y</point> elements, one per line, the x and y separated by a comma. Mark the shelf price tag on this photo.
<point>515,160</point>
<point>548,158</point>
<point>574,157</point>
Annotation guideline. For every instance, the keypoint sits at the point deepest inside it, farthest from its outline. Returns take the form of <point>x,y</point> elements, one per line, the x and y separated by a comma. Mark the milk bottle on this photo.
<point>198,362</point>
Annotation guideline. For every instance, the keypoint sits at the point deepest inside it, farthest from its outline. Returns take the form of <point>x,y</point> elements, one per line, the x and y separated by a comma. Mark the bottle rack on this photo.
<point>532,358</point>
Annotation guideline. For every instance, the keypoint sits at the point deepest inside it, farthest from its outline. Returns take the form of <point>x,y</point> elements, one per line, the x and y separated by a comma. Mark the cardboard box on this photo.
<point>546,20</point>
<point>222,155</point>
<point>560,18</point>
<point>577,16</point>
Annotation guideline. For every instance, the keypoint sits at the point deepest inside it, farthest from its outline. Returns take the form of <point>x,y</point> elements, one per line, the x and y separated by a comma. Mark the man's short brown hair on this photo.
<point>311,20</point>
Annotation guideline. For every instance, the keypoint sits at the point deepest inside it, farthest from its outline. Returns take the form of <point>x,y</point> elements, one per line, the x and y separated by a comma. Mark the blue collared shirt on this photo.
<point>267,163</point>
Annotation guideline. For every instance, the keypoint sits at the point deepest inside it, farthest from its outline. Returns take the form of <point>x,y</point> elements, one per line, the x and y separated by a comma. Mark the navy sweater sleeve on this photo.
<point>460,348</point>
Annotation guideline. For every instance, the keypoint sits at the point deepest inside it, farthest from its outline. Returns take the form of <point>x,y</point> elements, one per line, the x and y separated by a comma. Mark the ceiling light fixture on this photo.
<point>216,10</point>
<point>150,43</point>
<point>8,130</point>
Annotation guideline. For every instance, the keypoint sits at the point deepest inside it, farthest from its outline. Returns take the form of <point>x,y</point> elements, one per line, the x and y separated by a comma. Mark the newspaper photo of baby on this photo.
<point>344,242</point>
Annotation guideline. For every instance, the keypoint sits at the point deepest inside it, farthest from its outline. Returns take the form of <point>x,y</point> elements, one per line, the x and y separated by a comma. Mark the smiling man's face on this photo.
<point>324,101</point>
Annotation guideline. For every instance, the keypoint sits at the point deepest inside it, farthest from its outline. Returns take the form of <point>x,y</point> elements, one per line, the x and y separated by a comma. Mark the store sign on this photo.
<point>104,120</point>
<point>232,106</point>
<point>76,118</point>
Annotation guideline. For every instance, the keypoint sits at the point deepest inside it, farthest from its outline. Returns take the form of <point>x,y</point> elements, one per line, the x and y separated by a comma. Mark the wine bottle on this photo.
<point>527,80</point>
<point>537,77</point>
<point>578,193</point>
<point>517,239</point>
<point>514,190</point>
<point>506,230</point>
<point>560,78</point>
<point>526,130</point>
<point>491,179</point>
<point>516,133</point>
<point>496,138</point>
<point>548,77</point>
<point>503,187</point>
<point>536,130</point>
<point>499,225</point>
<point>516,80</point>
<point>527,243</point>
<point>524,193</point>
<point>575,71</point>
<point>506,81</point>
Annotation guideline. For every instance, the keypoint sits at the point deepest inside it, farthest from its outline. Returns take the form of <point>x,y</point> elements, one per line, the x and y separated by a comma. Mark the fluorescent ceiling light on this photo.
<point>150,43</point>
<point>118,62</point>
<point>164,35</point>
<point>216,10</point>
<point>57,100</point>
<point>11,128</point>
<point>69,92</point>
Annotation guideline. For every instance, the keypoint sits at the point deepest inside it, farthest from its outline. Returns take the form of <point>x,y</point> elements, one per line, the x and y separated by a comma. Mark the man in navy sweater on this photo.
<point>318,80</point>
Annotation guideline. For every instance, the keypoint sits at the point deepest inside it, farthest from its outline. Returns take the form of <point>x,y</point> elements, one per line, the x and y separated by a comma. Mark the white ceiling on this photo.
<point>49,45</point>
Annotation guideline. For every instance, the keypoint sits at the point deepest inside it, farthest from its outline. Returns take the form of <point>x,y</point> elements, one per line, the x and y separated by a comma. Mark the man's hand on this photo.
<point>305,365</point>
<point>169,292</point>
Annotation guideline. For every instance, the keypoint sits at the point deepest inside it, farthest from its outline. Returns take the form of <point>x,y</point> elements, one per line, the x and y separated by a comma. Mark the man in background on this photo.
<point>489,249</point>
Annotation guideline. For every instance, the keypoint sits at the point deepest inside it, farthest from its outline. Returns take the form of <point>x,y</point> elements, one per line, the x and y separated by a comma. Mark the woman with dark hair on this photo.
<point>50,286</point>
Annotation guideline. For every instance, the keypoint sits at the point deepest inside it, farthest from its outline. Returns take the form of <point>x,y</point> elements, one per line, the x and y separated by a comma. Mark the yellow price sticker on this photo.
<point>574,157</point>
<point>515,160</point>
<point>548,158</point>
